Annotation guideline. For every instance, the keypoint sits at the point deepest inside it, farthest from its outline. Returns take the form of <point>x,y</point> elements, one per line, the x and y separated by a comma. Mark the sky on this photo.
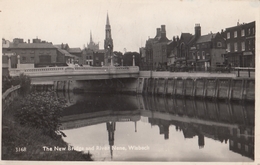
<point>132,22</point>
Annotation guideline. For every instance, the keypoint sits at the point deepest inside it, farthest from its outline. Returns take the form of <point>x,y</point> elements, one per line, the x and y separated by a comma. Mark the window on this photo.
<point>242,46</point>
<point>203,55</point>
<point>86,57</point>
<point>90,62</point>
<point>228,35</point>
<point>198,55</point>
<point>243,32</point>
<point>87,62</point>
<point>90,57</point>
<point>249,45</point>
<point>32,51</point>
<point>249,31</point>
<point>24,58</point>
<point>231,143</point>
<point>219,44</point>
<point>235,34</point>
<point>96,58</point>
<point>193,55</point>
<point>246,148</point>
<point>198,46</point>
<point>235,47</point>
<point>32,59</point>
<point>239,145</point>
<point>253,30</point>
<point>228,47</point>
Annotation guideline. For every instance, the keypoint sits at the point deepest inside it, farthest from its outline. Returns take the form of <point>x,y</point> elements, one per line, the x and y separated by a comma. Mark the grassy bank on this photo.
<point>24,140</point>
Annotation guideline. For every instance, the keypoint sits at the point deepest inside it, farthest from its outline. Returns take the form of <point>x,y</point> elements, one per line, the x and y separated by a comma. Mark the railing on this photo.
<point>75,70</point>
<point>245,71</point>
<point>9,95</point>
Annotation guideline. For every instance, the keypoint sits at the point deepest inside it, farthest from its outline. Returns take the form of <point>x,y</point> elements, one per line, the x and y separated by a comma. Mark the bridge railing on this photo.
<point>244,71</point>
<point>75,70</point>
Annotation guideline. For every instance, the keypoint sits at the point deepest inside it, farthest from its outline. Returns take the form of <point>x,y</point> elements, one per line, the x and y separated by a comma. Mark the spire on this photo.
<point>91,37</point>
<point>108,20</point>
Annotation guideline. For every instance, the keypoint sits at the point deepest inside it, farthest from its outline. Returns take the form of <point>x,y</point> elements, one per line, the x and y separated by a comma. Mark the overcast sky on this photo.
<point>132,21</point>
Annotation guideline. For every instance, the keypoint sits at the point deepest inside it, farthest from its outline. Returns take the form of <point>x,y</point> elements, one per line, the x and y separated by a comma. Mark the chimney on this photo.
<point>163,31</point>
<point>177,38</point>
<point>158,33</point>
<point>197,31</point>
<point>62,46</point>
<point>28,41</point>
<point>173,38</point>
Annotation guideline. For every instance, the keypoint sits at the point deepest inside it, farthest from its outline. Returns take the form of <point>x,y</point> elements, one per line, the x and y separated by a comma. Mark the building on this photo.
<point>91,45</point>
<point>156,49</point>
<point>172,51</point>
<point>98,58</point>
<point>64,55</point>
<point>200,52</point>
<point>108,45</point>
<point>36,53</point>
<point>207,51</point>
<point>240,42</point>
<point>87,57</point>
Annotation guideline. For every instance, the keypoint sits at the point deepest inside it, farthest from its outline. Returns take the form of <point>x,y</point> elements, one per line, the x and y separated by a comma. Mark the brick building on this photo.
<point>240,42</point>
<point>38,52</point>
<point>156,49</point>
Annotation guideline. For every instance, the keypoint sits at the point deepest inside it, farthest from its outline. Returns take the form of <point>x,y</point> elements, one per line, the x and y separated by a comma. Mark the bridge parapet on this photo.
<point>56,71</point>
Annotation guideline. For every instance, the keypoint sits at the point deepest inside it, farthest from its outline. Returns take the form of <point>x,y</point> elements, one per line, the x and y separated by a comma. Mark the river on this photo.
<point>148,128</point>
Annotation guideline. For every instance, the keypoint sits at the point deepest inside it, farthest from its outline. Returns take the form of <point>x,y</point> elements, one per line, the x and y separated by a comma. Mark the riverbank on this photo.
<point>24,142</point>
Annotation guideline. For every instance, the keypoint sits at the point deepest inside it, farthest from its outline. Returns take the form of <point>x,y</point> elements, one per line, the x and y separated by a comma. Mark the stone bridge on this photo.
<point>51,74</point>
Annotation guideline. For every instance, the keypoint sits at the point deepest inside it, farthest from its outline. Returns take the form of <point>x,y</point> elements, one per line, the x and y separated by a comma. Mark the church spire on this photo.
<point>108,20</point>
<point>91,37</point>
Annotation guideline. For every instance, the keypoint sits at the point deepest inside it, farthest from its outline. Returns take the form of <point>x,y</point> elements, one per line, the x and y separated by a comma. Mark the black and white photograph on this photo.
<point>129,81</point>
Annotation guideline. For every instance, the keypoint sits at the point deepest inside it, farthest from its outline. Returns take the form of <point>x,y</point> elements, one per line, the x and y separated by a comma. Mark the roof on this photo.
<point>74,50</point>
<point>100,51</point>
<point>32,46</point>
<point>206,38</point>
<point>67,54</point>
<point>186,37</point>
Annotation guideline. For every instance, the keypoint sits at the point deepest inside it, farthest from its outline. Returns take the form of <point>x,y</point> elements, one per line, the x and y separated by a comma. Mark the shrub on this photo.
<point>42,110</point>
<point>23,80</point>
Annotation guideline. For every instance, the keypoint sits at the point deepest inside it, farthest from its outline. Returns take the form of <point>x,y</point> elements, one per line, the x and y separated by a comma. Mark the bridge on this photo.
<point>76,73</point>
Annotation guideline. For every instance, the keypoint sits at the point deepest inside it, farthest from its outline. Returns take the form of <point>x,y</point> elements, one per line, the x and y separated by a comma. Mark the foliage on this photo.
<point>42,110</point>
<point>128,59</point>
<point>23,80</point>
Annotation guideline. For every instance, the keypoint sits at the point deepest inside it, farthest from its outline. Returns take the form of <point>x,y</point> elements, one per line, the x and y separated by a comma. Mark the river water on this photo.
<point>148,128</point>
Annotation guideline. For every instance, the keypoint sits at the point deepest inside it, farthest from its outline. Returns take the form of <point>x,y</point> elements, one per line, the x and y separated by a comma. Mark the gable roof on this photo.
<point>206,38</point>
<point>74,50</point>
<point>186,37</point>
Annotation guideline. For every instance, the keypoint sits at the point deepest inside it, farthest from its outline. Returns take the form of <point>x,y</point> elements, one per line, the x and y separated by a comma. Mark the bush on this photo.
<point>23,80</point>
<point>42,110</point>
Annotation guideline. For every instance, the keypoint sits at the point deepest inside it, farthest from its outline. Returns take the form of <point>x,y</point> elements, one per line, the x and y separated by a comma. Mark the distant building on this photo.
<point>87,57</point>
<point>38,52</point>
<point>240,42</point>
<point>156,49</point>
<point>98,58</point>
<point>207,51</point>
<point>91,45</point>
<point>200,51</point>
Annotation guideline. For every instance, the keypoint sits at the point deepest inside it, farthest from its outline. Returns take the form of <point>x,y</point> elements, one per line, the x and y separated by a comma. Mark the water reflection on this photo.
<point>192,130</point>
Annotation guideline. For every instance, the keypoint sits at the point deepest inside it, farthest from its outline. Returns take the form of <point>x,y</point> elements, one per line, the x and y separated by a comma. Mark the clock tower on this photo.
<point>108,45</point>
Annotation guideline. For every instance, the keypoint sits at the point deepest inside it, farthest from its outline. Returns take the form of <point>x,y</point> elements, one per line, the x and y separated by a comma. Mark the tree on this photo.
<point>128,59</point>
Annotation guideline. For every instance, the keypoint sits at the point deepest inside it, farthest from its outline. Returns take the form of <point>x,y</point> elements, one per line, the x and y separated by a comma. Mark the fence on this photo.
<point>9,95</point>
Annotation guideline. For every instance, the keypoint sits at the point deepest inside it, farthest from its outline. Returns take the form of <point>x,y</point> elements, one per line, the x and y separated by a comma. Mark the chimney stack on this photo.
<point>197,31</point>
<point>158,33</point>
<point>163,31</point>
<point>28,41</point>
